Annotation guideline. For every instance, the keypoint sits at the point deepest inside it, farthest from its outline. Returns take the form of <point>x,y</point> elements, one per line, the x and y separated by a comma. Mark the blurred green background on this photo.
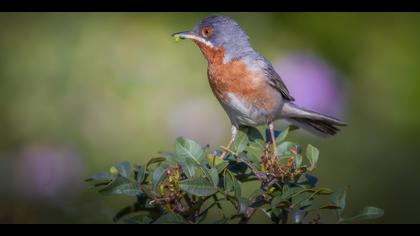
<point>82,91</point>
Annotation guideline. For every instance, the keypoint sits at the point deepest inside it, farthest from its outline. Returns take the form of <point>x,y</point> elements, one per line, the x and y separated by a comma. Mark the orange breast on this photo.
<point>248,86</point>
<point>235,78</point>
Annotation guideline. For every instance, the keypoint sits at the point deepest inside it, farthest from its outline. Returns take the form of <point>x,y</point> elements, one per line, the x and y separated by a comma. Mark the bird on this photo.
<point>246,85</point>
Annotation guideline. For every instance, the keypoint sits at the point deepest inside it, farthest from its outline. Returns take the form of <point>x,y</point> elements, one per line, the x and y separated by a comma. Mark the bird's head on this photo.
<point>218,34</point>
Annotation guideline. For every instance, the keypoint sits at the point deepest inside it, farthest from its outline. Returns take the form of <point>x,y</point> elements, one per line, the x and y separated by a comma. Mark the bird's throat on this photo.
<point>212,54</point>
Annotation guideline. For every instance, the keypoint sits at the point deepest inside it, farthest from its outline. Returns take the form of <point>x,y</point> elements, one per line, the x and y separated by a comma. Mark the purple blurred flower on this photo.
<point>313,83</point>
<point>48,172</point>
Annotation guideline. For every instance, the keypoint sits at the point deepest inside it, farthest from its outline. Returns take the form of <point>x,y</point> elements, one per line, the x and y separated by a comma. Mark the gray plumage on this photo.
<point>229,35</point>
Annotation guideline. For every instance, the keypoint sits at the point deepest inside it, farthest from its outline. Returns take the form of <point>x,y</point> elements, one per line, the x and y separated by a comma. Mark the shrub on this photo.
<point>185,185</point>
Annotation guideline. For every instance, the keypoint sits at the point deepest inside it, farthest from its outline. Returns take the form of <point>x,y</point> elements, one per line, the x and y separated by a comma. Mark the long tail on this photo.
<point>313,122</point>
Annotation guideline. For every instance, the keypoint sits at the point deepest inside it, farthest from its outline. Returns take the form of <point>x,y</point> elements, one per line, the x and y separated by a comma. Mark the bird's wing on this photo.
<point>274,79</point>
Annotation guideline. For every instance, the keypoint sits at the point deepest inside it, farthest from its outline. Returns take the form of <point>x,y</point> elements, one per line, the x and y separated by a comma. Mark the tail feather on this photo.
<point>313,122</point>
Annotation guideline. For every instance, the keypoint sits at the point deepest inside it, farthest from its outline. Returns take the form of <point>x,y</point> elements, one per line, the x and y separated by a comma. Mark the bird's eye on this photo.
<point>207,32</point>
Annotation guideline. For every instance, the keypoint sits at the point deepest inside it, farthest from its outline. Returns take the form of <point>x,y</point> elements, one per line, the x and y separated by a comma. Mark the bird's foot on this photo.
<point>273,141</point>
<point>274,150</point>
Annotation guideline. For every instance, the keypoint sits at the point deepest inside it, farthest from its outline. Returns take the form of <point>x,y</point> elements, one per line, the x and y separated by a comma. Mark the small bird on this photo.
<point>246,84</point>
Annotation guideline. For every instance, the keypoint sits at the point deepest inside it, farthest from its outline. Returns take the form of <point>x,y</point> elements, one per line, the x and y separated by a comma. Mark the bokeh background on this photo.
<point>82,91</point>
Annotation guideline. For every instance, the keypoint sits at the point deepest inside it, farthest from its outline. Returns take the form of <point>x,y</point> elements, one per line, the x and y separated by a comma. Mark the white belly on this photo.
<point>240,112</point>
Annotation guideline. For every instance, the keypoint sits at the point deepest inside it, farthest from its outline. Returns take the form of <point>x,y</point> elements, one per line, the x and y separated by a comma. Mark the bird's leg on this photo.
<point>232,139</point>
<point>273,138</point>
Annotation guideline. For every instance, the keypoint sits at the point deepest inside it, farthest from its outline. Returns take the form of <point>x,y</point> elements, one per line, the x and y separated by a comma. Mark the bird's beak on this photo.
<point>192,36</point>
<point>183,35</point>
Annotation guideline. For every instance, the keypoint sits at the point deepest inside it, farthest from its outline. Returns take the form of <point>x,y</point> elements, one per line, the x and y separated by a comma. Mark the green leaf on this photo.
<point>188,149</point>
<point>329,207</point>
<point>221,166</point>
<point>102,176</point>
<point>238,190</point>
<point>299,196</point>
<point>139,219</point>
<point>170,219</point>
<point>303,200</point>
<point>255,194</point>
<point>189,168</point>
<point>338,198</point>
<point>367,213</point>
<point>221,221</point>
<point>157,177</point>
<point>253,133</point>
<point>295,191</point>
<point>228,181</point>
<point>298,160</point>
<point>247,135</point>
<point>202,217</point>
<point>121,185</point>
<point>124,169</point>
<point>312,153</point>
<point>139,206</point>
<point>288,192</point>
<point>141,174</point>
<point>243,205</point>
<point>275,204</point>
<point>155,160</point>
<point>201,187</point>
<point>282,136</point>
<point>241,141</point>
<point>205,212</point>
<point>254,151</point>
<point>170,158</point>
<point>147,189</point>
<point>210,174</point>
<point>316,207</point>
<point>214,160</point>
<point>304,197</point>
<point>214,175</point>
<point>255,160</point>
<point>284,148</point>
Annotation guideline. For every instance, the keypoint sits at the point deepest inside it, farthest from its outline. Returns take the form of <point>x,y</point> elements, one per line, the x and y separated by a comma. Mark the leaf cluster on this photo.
<point>182,187</point>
